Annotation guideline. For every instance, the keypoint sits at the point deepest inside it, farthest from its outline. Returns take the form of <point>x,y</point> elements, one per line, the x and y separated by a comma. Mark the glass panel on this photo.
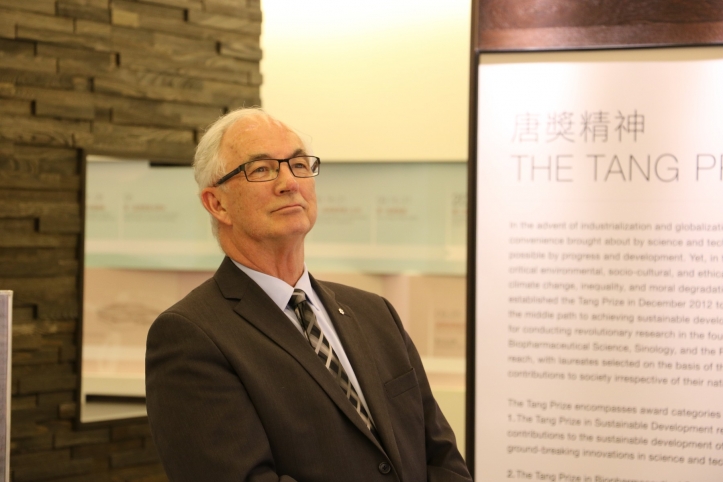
<point>390,218</point>
<point>147,244</point>
<point>395,229</point>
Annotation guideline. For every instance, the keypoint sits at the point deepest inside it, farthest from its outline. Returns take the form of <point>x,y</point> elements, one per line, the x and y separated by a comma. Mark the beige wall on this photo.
<point>377,80</point>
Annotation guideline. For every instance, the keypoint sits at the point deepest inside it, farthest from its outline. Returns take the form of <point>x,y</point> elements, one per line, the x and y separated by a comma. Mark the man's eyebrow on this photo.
<point>258,157</point>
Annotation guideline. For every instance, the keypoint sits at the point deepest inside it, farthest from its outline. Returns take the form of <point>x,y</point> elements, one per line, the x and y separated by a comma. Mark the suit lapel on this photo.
<point>259,310</point>
<point>360,354</point>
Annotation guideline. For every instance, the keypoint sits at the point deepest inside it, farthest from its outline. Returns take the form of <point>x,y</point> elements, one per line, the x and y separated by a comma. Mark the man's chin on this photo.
<point>294,228</point>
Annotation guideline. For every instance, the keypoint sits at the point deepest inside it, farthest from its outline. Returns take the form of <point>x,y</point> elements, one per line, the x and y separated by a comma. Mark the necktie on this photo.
<point>323,349</point>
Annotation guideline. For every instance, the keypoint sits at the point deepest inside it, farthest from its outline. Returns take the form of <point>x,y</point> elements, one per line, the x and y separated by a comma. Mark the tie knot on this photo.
<point>298,297</point>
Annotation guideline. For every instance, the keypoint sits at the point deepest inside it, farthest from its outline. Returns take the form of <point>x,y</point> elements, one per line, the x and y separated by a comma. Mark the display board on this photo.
<point>6,323</point>
<point>599,267</point>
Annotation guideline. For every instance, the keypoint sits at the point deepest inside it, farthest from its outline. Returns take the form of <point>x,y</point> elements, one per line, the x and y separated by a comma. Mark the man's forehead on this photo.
<point>255,122</point>
<point>253,136</point>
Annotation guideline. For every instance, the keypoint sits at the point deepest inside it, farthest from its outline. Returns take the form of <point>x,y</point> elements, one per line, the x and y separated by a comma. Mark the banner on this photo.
<point>6,316</point>
<point>599,268</point>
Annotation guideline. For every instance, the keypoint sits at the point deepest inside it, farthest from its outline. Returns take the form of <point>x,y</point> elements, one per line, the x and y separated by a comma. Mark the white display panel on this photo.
<point>599,268</point>
<point>375,218</point>
<point>6,323</point>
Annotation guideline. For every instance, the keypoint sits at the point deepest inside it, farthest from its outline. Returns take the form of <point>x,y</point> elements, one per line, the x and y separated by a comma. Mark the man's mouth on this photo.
<point>287,207</point>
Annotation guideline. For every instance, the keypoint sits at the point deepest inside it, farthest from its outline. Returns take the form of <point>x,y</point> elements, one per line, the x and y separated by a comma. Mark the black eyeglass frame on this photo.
<point>241,168</point>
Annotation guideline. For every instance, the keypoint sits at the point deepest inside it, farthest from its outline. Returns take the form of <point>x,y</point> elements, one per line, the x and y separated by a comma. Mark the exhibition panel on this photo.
<point>598,266</point>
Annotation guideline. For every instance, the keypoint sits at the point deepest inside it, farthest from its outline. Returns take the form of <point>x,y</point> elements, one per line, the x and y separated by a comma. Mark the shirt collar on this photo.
<point>278,290</point>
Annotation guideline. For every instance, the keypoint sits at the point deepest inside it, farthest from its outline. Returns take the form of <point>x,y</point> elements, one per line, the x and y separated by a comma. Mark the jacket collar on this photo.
<point>360,354</point>
<point>234,284</point>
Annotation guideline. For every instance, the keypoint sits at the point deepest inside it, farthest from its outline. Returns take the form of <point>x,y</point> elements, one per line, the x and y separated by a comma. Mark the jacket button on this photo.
<point>385,468</point>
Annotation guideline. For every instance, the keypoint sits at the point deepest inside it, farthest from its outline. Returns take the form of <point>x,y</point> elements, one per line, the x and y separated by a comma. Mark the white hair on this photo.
<point>208,166</point>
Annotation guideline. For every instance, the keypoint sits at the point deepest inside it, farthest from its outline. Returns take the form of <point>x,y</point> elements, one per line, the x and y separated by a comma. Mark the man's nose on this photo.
<point>286,178</point>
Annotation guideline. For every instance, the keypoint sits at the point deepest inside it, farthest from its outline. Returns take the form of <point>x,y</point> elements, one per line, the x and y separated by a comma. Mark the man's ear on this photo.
<point>214,202</point>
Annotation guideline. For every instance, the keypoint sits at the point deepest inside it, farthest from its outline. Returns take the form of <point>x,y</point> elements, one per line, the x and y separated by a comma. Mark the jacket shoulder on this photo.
<point>359,300</point>
<point>345,292</point>
<point>202,299</point>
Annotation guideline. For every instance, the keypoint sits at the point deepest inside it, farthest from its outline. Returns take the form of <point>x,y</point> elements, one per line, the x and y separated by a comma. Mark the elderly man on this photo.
<point>263,373</point>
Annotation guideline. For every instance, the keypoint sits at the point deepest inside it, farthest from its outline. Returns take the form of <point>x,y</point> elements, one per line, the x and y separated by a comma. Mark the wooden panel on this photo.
<point>130,39</point>
<point>37,240</point>
<point>192,4</point>
<point>77,60</point>
<point>38,267</point>
<point>25,61</point>
<point>60,108</point>
<point>11,77</point>
<point>568,24</point>
<point>23,225</point>
<point>70,439</point>
<point>33,195</point>
<point>9,209</point>
<point>134,457</point>
<point>33,20</point>
<point>225,69</point>
<point>54,310</point>
<point>41,289</point>
<point>87,9</point>
<point>235,8</point>
<point>7,27</point>
<point>139,9</point>
<point>36,356</point>
<point>47,382</point>
<point>97,43</point>
<point>60,224</point>
<point>197,31</point>
<point>15,107</point>
<point>21,180</point>
<point>225,22</point>
<point>33,130</point>
<point>6,88</point>
<point>183,49</point>
<point>152,85</point>
<point>125,432</point>
<point>14,47</point>
<point>47,159</point>
<point>241,50</point>
<point>143,142</point>
<point>79,99</point>
<point>43,6</point>
<point>106,131</point>
<point>144,473</point>
<point>154,113</point>
<point>107,448</point>
<point>93,29</point>
<point>35,255</point>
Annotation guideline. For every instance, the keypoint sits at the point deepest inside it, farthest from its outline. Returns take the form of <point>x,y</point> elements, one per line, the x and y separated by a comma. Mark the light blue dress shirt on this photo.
<point>280,293</point>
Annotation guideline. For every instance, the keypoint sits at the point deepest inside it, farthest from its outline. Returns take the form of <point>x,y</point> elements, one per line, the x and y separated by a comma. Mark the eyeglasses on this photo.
<point>263,170</point>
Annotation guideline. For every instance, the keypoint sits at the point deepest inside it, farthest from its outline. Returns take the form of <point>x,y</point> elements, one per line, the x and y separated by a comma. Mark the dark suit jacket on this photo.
<point>234,392</point>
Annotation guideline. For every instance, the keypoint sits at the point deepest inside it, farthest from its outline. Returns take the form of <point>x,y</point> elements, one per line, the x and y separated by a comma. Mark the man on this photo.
<point>263,373</point>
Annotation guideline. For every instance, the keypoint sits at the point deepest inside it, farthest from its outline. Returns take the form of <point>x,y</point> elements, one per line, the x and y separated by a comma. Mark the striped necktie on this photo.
<point>323,349</point>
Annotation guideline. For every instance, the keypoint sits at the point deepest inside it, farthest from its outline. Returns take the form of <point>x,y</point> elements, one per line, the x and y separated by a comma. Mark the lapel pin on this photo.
<point>341,311</point>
